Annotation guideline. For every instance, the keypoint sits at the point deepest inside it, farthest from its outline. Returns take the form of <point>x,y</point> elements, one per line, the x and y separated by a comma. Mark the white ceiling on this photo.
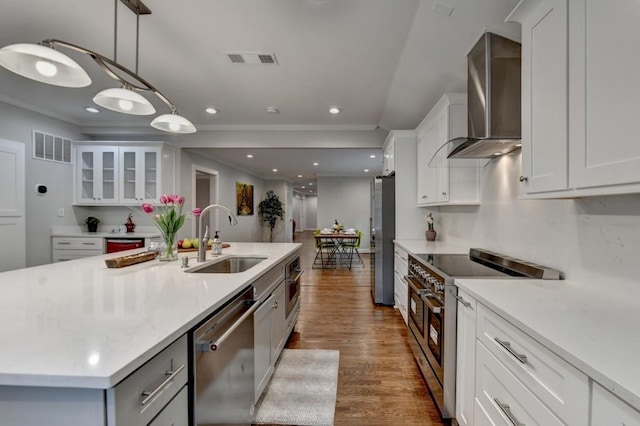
<point>383,62</point>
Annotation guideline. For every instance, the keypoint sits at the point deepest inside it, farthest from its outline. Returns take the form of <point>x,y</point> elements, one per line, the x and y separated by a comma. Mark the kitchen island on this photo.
<point>80,325</point>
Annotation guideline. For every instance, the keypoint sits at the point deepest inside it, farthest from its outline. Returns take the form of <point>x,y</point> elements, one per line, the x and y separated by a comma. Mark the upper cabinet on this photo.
<point>96,173</point>
<point>442,181</point>
<point>579,97</point>
<point>389,157</point>
<point>123,175</point>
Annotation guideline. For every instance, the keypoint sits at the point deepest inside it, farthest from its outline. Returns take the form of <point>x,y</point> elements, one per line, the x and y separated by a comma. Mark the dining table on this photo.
<point>342,245</point>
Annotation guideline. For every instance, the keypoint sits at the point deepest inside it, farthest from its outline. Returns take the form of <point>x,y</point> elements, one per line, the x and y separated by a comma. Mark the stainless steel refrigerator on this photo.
<point>383,219</point>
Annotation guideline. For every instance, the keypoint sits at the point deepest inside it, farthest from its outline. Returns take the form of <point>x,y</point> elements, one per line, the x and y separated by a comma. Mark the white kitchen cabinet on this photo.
<point>503,372</point>
<point>444,181</point>
<point>608,409</point>
<point>96,174</point>
<point>389,157</point>
<point>176,413</point>
<point>604,97</point>
<point>545,140</point>
<point>466,359</point>
<point>140,171</point>
<point>69,248</point>
<point>269,337</point>
<point>580,97</point>
<point>401,288</point>
<point>114,173</point>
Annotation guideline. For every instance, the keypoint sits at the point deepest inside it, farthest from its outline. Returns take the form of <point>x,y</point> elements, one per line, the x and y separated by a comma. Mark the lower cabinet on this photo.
<point>465,364</point>
<point>401,288</point>
<point>269,337</point>
<point>69,248</point>
<point>503,376</point>
<point>174,414</point>
<point>608,409</point>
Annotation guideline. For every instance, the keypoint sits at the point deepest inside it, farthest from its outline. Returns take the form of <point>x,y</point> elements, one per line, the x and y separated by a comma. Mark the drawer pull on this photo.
<point>88,244</point>
<point>63,243</point>
<point>461,300</point>
<point>507,346</point>
<point>507,412</point>
<point>148,396</point>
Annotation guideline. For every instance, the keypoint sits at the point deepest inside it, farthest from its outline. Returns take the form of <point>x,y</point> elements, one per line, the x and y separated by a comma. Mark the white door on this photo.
<point>12,206</point>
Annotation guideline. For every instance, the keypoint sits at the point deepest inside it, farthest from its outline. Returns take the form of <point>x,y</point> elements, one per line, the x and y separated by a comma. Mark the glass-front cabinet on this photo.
<point>97,169</point>
<point>140,175</point>
<point>123,175</point>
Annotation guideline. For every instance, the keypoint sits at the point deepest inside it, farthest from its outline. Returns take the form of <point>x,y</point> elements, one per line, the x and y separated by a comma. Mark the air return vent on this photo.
<point>252,58</point>
<point>51,148</point>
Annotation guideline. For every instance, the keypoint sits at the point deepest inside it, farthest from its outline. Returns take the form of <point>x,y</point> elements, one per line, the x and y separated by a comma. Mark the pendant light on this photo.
<point>173,123</point>
<point>43,64</point>
<point>124,100</point>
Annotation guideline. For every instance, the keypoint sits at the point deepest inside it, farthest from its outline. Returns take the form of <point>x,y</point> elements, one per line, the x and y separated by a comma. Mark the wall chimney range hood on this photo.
<point>493,101</point>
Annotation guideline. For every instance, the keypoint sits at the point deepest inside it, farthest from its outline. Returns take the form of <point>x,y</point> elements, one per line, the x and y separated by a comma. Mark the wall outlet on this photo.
<point>61,212</point>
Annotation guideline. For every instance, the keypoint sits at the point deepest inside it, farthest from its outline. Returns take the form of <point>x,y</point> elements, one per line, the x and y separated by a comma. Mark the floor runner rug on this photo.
<point>302,391</point>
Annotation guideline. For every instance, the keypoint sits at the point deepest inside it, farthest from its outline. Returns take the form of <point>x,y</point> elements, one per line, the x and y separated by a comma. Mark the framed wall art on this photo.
<point>244,199</point>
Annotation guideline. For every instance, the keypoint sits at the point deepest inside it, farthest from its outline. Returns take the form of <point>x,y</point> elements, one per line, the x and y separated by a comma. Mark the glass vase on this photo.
<point>168,248</point>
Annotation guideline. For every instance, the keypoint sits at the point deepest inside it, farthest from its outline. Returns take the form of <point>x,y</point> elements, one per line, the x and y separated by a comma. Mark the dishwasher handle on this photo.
<point>215,345</point>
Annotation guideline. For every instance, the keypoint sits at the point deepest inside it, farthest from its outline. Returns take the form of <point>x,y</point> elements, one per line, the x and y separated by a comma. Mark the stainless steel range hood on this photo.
<point>494,101</point>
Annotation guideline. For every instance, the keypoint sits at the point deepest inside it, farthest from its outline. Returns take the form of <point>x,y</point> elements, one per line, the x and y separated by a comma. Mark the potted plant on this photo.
<point>270,209</point>
<point>92,223</point>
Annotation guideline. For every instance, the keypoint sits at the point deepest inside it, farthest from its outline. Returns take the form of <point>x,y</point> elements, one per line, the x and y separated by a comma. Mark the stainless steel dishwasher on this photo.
<point>223,365</point>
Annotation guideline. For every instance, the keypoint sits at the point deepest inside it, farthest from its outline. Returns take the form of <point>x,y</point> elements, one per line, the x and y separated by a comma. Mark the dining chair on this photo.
<point>323,251</point>
<point>353,247</point>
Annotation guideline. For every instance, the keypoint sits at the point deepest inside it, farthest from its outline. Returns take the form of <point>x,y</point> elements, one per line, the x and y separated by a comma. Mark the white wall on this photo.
<point>248,228</point>
<point>598,236</point>
<point>347,199</point>
<point>17,124</point>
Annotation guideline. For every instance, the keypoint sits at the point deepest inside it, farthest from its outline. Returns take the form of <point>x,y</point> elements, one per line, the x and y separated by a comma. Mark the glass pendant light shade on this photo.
<point>173,123</point>
<point>43,64</point>
<point>125,101</point>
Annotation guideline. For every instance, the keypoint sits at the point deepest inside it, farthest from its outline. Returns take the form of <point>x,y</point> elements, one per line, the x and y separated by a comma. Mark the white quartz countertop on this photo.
<point>104,232</point>
<point>597,331</point>
<point>434,247</point>
<point>80,324</point>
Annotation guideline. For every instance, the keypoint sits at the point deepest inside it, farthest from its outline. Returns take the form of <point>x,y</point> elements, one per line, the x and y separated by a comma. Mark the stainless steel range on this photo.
<point>433,310</point>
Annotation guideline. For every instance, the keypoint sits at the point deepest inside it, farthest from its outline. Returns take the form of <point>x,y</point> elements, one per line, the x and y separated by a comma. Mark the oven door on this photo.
<point>292,288</point>
<point>416,308</point>
<point>434,334</point>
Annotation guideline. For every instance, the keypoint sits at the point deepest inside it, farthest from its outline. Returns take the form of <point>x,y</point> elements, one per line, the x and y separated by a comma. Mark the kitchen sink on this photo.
<point>228,265</point>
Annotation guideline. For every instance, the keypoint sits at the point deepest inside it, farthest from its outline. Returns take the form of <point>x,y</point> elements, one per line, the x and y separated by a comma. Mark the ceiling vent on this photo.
<point>252,58</point>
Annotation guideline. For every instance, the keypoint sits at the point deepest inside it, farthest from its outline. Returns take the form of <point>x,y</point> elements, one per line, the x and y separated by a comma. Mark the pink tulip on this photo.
<point>179,199</point>
<point>147,208</point>
<point>164,199</point>
<point>197,211</point>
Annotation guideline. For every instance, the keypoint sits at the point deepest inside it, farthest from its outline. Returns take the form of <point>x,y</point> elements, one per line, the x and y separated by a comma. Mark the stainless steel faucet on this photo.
<point>203,237</point>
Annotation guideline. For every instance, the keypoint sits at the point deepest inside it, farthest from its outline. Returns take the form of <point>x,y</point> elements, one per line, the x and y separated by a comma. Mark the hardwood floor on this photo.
<point>378,380</point>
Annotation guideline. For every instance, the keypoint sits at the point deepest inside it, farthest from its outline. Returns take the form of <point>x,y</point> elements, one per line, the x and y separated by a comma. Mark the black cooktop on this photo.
<point>463,266</point>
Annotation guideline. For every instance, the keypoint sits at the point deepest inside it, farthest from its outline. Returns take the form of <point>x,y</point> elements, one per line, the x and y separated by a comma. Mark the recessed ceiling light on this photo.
<point>310,191</point>
<point>275,170</point>
<point>315,164</point>
<point>211,110</point>
<point>92,109</point>
<point>497,153</point>
<point>366,170</point>
<point>334,110</point>
<point>249,155</point>
<point>303,187</point>
<point>299,176</point>
<point>372,156</point>
<point>310,183</point>
<point>273,110</point>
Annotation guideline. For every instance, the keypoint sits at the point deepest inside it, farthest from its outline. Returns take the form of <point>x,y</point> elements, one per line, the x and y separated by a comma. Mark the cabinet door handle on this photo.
<point>444,193</point>
<point>63,243</point>
<point>524,179</point>
<point>275,305</point>
<point>507,346</point>
<point>507,412</point>
<point>150,395</point>
<point>461,300</point>
<point>424,196</point>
